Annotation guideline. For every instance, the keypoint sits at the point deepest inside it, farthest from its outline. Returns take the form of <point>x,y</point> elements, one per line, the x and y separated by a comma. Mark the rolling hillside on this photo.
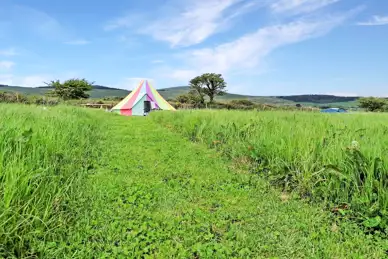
<point>172,92</point>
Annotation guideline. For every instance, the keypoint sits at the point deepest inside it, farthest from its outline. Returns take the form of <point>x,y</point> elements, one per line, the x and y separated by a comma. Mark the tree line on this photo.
<point>207,85</point>
<point>373,104</point>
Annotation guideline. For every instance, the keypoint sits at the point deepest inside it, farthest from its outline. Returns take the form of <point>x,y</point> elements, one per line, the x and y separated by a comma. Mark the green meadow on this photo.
<point>338,159</point>
<point>79,183</point>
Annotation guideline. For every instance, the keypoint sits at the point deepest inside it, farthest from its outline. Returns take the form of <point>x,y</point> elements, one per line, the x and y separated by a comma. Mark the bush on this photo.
<point>190,100</point>
<point>11,97</point>
<point>112,98</point>
<point>373,104</point>
<point>43,101</point>
<point>242,102</point>
<point>183,98</point>
<point>72,89</point>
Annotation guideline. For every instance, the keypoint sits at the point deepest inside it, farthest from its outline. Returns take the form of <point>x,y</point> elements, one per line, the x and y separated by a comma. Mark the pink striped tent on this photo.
<point>141,101</point>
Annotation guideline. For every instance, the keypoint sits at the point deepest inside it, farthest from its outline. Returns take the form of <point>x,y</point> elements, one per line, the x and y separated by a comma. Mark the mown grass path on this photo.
<point>156,195</point>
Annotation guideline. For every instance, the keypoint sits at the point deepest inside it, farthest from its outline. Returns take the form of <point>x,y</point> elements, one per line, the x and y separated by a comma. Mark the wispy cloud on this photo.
<point>249,51</point>
<point>375,21</point>
<point>77,42</point>
<point>157,61</point>
<point>191,23</point>
<point>196,22</point>
<point>33,80</point>
<point>6,65</point>
<point>126,21</point>
<point>299,6</point>
<point>182,74</point>
<point>8,52</point>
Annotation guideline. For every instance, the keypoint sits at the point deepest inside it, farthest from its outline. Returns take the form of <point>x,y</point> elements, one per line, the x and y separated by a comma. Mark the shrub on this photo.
<point>242,102</point>
<point>373,104</point>
<point>11,97</point>
<point>72,89</point>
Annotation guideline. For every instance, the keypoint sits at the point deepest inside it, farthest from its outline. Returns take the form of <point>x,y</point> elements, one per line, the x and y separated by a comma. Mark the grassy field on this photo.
<point>44,160</point>
<point>79,183</point>
<point>340,159</point>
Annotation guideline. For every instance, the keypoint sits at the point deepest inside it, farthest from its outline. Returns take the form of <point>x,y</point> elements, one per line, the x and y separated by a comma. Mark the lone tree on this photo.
<point>196,91</point>
<point>372,104</point>
<point>209,84</point>
<point>70,89</point>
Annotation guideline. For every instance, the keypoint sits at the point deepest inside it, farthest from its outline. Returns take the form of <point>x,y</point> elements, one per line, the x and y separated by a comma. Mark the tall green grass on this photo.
<point>45,155</point>
<point>340,159</point>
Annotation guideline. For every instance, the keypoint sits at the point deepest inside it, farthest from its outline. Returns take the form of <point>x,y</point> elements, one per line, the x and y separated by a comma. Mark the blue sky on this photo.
<point>262,47</point>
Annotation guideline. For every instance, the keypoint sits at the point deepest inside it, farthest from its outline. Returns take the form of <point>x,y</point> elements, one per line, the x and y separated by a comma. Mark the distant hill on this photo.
<point>318,98</point>
<point>99,91</point>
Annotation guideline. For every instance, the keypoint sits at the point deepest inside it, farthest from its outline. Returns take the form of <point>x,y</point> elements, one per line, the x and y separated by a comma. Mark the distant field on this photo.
<point>84,183</point>
<point>99,92</point>
<point>347,105</point>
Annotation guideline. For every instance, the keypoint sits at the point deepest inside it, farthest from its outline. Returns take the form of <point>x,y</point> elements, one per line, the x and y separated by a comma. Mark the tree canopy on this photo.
<point>372,103</point>
<point>209,84</point>
<point>70,89</point>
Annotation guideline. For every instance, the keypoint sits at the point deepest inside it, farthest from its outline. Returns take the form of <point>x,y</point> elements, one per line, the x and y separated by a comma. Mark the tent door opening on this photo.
<point>147,106</point>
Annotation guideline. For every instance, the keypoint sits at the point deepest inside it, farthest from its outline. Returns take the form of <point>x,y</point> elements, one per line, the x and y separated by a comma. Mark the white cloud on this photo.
<point>8,52</point>
<point>375,21</point>
<point>25,81</point>
<point>33,80</point>
<point>130,83</point>
<point>192,22</point>
<point>77,42</point>
<point>299,6</point>
<point>182,75</point>
<point>157,61</point>
<point>249,51</point>
<point>6,79</point>
<point>6,65</point>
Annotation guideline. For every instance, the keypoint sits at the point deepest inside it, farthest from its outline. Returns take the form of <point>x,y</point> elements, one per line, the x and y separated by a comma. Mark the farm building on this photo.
<point>333,110</point>
<point>141,101</point>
